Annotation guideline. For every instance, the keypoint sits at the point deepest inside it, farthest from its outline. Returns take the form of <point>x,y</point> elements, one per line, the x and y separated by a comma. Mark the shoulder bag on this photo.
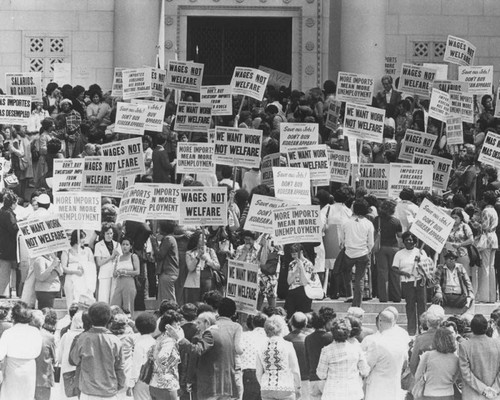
<point>314,290</point>
<point>419,387</point>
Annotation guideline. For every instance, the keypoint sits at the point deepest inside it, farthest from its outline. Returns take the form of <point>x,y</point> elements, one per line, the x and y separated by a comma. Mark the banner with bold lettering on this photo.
<point>364,122</point>
<point>446,86</point>
<point>193,117</point>
<point>292,185</point>
<point>220,98</point>
<point>297,224</point>
<point>78,210</point>
<point>432,225</point>
<point>195,158</point>
<point>24,84</point>
<point>266,168</point>
<point>15,110</point>
<point>43,235</point>
<point>439,106</point>
<point>249,82</point>
<point>130,118</point>
<point>459,51</point>
<point>441,169</point>
<point>184,75</point>
<point>355,88</point>
<point>454,130</point>
<point>99,174</point>
<point>130,156</point>
<point>165,200</point>
<point>117,87</point>
<point>462,104</point>
<point>416,80</point>
<point>315,158</point>
<point>416,142</point>
<point>416,176</point>
<point>134,204</point>
<point>298,134</point>
<point>277,79</point>
<point>243,285</point>
<point>240,147</point>
<point>155,114</point>
<point>340,165</point>
<point>373,177</point>
<point>143,82</point>
<point>202,206</point>
<point>490,152</point>
<point>260,213</point>
<point>479,78</point>
<point>67,174</point>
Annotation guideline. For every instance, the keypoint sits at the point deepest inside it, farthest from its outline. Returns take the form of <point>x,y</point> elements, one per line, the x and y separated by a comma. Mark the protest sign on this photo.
<point>364,122</point>
<point>117,86</point>
<point>297,224</point>
<point>99,174</point>
<point>121,183</point>
<point>497,102</point>
<point>373,177</point>
<point>165,199</point>
<point>416,80</point>
<point>277,79</point>
<point>479,78</point>
<point>439,106</point>
<point>292,184</point>
<point>393,65</point>
<point>211,135</point>
<point>490,153</point>
<point>130,118</point>
<point>446,86</point>
<point>243,285</point>
<point>459,51</point>
<point>184,75</point>
<point>67,174</point>
<point>298,134</point>
<point>203,206</point>
<point>220,98</point>
<point>315,158</point>
<point>195,158</point>
<point>238,147</point>
<point>62,73</point>
<point>355,88</point>
<point>15,110</point>
<point>130,157</point>
<point>416,176</point>
<point>441,169</point>
<point>441,70</point>
<point>43,235</point>
<point>193,117</point>
<point>352,143</point>
<point>454,130</point>
<point>143,82</point>
<point>266,168</point>
<point>24,84</point>
<point>432,225</point>
<point>462,104</point>
<point>154,114</point>
<point>260,213</point>
<point>134,204</point>
<point>78,210</point>
<point>249,82</point>
<point>333,114</point>
<point>340,165</point>
<point>416,142</point>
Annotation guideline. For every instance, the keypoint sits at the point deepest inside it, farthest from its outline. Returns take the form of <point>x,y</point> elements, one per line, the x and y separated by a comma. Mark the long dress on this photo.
<point>74,285</point>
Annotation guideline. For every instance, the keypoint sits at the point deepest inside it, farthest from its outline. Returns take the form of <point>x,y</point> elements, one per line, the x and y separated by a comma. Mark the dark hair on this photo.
<point>459,322</point>
<point>21,314</point>
<point>50,88</point>
<point>95,92</point>
<point>360,207</point>
<point>407,194</point>
<point>247,233</point>
<point>99,313</point>
<point>459,212</point>
<point>459,200</point>
<point>444,341</point>
<point>4,311</point>
<point>329,87</point>
<point>193,240</point>
<point>46,124</point>
<point>485,98</point>
<point>226,171</point>
<point>296,248</point>
<point>355,326</point>
<point>213,298</point>
<point>189,311</point>
<point>106,227</point>
<point>127,239</point>
<point>387,208</point>
<point>448,323</point>
<point>204,307</point>
<point>77,90</point>
<point>74,237</point>
<point>168,318</point>
<point>50,321</point>
<point>167,305</point>
<point>259,320</point>
<point>145,323</point>
<point>479,324</point>
<point>87,323</point>
<point>490,198</point>
<point>341,329</point>
<point>9,199</point>
<point>227,307</point>
<point>167,227</point>
<point>407,234</point>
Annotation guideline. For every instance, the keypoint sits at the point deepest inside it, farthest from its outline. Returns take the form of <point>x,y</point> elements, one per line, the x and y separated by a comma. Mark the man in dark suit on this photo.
<point>387,96</point>
<point>162,168</point>
<point>297,336</point>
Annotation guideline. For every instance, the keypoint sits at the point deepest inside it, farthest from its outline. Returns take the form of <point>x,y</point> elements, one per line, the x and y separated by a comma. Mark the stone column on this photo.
<point>135,35</point>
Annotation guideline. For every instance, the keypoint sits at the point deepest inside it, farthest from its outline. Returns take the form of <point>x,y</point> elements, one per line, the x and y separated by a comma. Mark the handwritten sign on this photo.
<point>240,147</point>
<point>249,82</point>
<point>439,106</point>
<point>24,84</point>
<point>454,130</point>
<point>459,51</point>
<point>130,157</point>
<point>43,235</point>
<point>297,223</point>
<point>333,114</point>
<point>292,185</point>
<point>154,114</point>
<point>364,122</point>
<point>193,117</point>
<point>130,118</point>
<point>441,169</point>
<point>243,285</point>
<point>340,165</point>
<point>416,80</point>
<point>490,152</point>
<point>355,88</point>
<point>203,206</point>
<point>80,210</point>
<point>184,75</point>
<point>15,110</point>
<point>416,142</point>
<point>373,177</point>
<point>277,79</point>
<point>260,213</point>
<point>479,78</point>
<point>315,158</point>
<point>195,158</point>
<point>67,174</point>
<point>298,134</point>
<point>416,176</point>
<point>220,98</point>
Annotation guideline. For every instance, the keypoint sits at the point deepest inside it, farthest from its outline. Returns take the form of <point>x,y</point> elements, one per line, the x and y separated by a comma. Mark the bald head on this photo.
<point>394,311</point>
<point>299,320</point>
<point>386,320</point>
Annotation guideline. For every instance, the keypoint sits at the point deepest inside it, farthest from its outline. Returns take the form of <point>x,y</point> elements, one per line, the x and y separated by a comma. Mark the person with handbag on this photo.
<point>300,274</point>
<point>269,260</point>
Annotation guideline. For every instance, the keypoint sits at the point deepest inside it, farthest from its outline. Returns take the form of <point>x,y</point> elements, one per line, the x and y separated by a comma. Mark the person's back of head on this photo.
<point>100,314</point>
<point>298,320</point>
<point>213,298</point>
<point>386,320</point>
<point>189,312</point>
<point>145,323</point>
<point>227,308</point>
<point>479,324</point>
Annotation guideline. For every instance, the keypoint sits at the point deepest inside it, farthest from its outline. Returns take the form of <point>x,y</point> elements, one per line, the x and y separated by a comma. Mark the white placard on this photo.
<point>15,110</point>
<point>292,185</point>
<point>439,106</point>
<point>193,117</point>
<point>340,165</point>
<point>490,153</point>
<point>298,134</point>
<point>479,78</point>
<point>130,118</point>
<point>462,104</point>
<point>195,158</point>
<point>441,169</point>
<point>416,142</point>
<point>315,158</point>
<point>203,206</point>
<point>373,177</point>
<point>43,235</point>
<point>78,210</point>
<point>99,174</point>
<point>459,51</point>
<point>416,80</point>
<point>355,88</point>
<point>454,131</point>
<point>67,174</point>
<point>129,153</point>
<point>260,213</point>
<point>364,122</point>
<point>277,78</point>
<point>117,86</point>
<point>243,285</point>
<point>297,224</point>
<point>249,82</point>
<point>165,200</point>
<point>134,204</point>
<point>238,147</point>
<point>155,114</point>
<point>184,75</point>
<point>416,176</point>
<point>220,98</point>
<point>24,84</point>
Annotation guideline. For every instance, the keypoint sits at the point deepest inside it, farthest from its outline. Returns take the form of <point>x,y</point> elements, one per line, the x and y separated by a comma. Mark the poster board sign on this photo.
<point>298,134</point>
<point>364,122</point>
<point>441,169</point>
<point>459,51</point>
<point>15,110</point>
<point>80,210</point>
<point>353,149</point>
<point>240,147</point>
<point>277,78</point>
<point>441,70</point>
<point>62,73</point>
<point>121,183</point>
<point>266,168</point>
<point>497,102</point>
<point>99,174</point>
<point>373,177</point>
<point>446,86</point>
<point>439,106</point>
<point>143,82</point>
<point>24,84</point>
<point>416,80</point>
<point>432,225</point>
<point>130,157</point>
<point>479,78</point>
<point>67,174</point>
<point>134,204</point>
<point>315,158</point>
<point>416,176</point>
<point>260,213</point>
<point>354,88</point>
<point>184,75</point>
<point>243,285</point>
<point>193,117</point>
<point>393,65</point>
<point>454,130</point>
<point>43,235</point>
<point>416,142</point>
<point>117,86</point>
<point>249,82</point>
<point>203,206</point>
<point>165,200</point>
<point>220,98</point>
<point>340,165</point>
<point>333,114</point>
<point>154,115</point>
<point>462,104</point>
<point>130,118</point>
<point>211,135</point>
<point>195,158</point>
<point>297,223</point>
<point>490,152</point>
<point>292,185</point>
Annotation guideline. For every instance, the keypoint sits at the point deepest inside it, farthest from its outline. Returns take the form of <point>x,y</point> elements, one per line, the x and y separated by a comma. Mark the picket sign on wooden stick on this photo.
<point>237,118</point>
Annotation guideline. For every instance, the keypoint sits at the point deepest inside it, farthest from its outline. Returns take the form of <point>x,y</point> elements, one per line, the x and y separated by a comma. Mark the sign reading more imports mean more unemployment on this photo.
<point>297,223</point>
<point>462,104</point>
<point>340,165</point>
<point>454,130</point>
<point>195,158</point>
<point>355,88</point>
<point>78,209</point>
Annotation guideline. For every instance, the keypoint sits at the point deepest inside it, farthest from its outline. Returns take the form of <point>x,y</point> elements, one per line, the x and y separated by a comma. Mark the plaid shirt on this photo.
<point>342,364</point>
<point>440,278</point>
<point>248,255</point>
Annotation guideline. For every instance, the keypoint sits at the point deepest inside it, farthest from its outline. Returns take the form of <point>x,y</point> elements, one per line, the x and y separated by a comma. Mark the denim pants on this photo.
<point>360,264</point>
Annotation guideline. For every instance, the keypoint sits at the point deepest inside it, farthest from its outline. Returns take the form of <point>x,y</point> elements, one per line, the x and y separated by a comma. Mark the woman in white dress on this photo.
<point>105,252</point>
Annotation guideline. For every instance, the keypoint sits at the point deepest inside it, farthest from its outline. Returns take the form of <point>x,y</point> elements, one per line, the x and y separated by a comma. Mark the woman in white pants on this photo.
<point>106,251</point>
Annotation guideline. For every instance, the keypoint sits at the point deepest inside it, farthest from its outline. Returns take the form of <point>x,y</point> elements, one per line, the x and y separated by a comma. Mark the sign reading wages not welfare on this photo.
<point>459,51</point>
<point>203,206</point>
<point>99,174</point>
<point>442,169</point>
<point>416,80</point>
<point>130,157</point>
<point>416,142</point>
<point>43,235</point>
<point>184,75</point>
<point>243,285</point>
<point>80,210</point>
<point>238,147</point>
<point>249,82</point>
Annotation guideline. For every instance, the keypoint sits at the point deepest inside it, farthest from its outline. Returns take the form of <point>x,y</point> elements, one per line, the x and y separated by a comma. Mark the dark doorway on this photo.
<point>222,43</point>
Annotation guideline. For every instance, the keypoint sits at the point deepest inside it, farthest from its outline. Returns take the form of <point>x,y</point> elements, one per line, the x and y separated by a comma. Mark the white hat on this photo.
<point>43,199</point>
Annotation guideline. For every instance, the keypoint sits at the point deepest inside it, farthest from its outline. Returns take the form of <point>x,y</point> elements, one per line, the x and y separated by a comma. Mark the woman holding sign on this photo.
<point>47,270</point>
<point>300,272</point>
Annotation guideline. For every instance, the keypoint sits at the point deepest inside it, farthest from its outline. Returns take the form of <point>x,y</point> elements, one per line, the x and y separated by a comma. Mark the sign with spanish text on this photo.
<point>129,153</point>
<point>238,147</point>
<point>298,134</point>
<point>292,185</point>
<point>193,117</point>
<point>195,158</point>
<point>441,169</point>
<point>462,104</point>
<point>340,165</point>
<point>439,106</point>
<point>134,204</point>
<point>43,235</point>
<point>165,200</point>
<point>490,152</point>
<point>354,88</point>
<point>260,213</point>
<point>446,86</point>
<point>154,115</point>
<point>373,177</point>
<point>416,176</point>
<point>459,51</point>
<point>479,78</point>
<point>364,122</point>
<point>297,224</point>
<point>266,168</point>
<point>454,130</point>
<point>315,158</point>
<point>220,98</point>
<point>117,86</point>
<point>24,84</point>
<point>130,118</point>
<point>143,82</point>
<point>416,142</point>
<point>184,75</point>
<point>99,174</point>
<point>416,80</point>
<point>277,79</point>
<point>15,110</point>
<point>80,210</point>
<point>243,285</point>
<point>249,82</point>
<point>67,174</point>
<point>202,206</point>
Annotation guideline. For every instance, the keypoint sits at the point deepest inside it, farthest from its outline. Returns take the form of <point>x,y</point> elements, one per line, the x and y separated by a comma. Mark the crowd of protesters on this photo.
<point>192,347</point>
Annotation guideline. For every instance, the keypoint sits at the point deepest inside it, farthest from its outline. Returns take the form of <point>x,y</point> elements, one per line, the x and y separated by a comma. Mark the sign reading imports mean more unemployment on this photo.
<point>249,82</point>
<point>165,200</point>
<point>78,209</point>
<point>195,158</point>
<point>297,223</point>
<point>340,165</point>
